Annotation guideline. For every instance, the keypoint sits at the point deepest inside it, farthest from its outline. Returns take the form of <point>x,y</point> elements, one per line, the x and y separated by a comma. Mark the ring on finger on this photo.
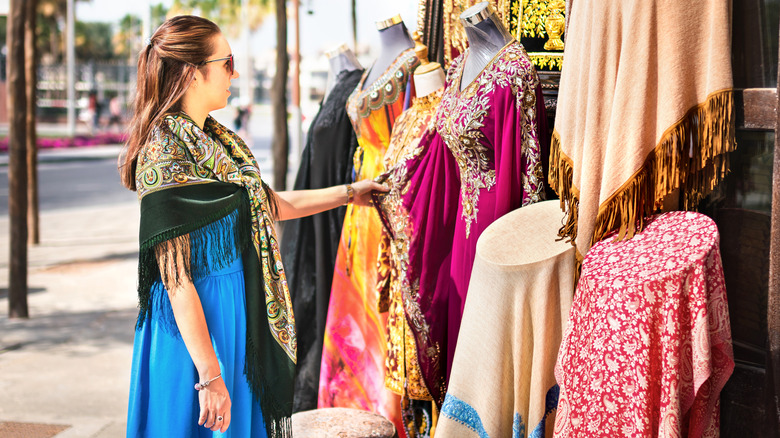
<point>219,418</point>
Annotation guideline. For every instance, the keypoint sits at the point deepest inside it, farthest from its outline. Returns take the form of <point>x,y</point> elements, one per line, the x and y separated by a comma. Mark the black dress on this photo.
<point>309,244</point>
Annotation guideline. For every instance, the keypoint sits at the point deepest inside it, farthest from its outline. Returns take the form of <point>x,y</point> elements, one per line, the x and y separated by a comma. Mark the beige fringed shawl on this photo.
<point>644,109</point>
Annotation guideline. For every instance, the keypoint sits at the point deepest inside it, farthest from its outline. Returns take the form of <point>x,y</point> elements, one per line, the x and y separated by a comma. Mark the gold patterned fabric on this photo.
<point>538,24</point>
<point>402,374</point>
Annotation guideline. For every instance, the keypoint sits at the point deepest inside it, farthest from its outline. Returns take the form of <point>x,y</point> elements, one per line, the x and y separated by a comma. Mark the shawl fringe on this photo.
<point>691,156</point>
<point>187,254</point>
<point>277,419</point>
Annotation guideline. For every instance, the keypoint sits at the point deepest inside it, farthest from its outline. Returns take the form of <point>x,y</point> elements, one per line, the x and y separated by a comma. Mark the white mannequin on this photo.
<point>429,76</point>
<point>486,35</point>
<point>340,59</point>
<point>394,39</point>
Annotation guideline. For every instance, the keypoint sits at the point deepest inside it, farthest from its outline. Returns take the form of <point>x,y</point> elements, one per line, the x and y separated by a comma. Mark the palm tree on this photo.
<point>31,79</point>
<point>128,37</point>
<point>17,165</point>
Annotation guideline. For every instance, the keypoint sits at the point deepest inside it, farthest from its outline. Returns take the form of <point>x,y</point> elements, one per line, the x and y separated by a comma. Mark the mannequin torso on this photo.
<point>340,59</point>
<point>394,40</point>
<point>486,35</point>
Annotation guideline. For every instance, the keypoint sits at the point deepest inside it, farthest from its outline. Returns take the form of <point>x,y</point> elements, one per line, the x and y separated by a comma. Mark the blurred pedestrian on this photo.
<point>115,113</point>
<point>215,311</point>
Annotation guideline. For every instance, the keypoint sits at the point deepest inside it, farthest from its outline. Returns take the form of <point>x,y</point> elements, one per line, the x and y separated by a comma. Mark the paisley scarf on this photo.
<point>190,182</point>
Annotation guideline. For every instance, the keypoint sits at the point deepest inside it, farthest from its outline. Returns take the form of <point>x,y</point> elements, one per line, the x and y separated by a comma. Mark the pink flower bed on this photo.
<point>68,142</point>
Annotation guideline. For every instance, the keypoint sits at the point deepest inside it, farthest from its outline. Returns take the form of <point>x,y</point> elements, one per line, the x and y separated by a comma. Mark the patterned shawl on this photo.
<point>190,180</point>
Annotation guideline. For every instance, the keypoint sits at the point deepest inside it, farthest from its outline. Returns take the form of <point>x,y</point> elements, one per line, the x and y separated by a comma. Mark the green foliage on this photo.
<point>93,41</point>
<point>230,15</point>
<point>127,39</point>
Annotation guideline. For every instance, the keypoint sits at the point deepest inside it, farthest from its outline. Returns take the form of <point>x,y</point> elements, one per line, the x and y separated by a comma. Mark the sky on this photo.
<point>327,26</point>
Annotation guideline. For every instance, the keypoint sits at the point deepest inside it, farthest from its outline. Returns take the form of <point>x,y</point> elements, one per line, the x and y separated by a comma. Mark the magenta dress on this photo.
<point>483,160</point>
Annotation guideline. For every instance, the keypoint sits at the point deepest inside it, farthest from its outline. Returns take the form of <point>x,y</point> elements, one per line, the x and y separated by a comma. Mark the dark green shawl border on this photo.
<point>187,217</point>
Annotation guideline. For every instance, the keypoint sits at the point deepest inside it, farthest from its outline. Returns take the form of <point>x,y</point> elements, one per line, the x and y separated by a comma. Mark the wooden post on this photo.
<point>17,162</point>
<point>280,145</point>
<point>31,79</point>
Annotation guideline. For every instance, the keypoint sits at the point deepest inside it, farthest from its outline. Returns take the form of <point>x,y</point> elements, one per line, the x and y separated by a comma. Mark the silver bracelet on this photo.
<point>203,385</point>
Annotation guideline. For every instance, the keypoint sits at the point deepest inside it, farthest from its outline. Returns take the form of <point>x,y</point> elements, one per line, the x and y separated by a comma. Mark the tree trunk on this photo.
<point>30,76</point>
<point>17,162</point>
<point>280,143</point>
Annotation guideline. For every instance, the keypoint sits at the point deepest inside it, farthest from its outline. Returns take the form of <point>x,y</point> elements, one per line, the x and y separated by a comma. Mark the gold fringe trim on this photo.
<point>691,155</point>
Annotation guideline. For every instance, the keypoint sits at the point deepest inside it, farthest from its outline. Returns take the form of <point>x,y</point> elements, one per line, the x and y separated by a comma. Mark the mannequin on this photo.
<point>409,145</point>
<point>340,59</point>
<point>480,159</point>
<point>429,76</point>
<point>486,37</point>
<point>352,366</point>
<point>394,39</point>
<point>310,244</point>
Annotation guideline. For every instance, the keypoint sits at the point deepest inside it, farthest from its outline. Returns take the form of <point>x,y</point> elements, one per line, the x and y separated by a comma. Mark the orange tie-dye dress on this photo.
<point>355,344</point>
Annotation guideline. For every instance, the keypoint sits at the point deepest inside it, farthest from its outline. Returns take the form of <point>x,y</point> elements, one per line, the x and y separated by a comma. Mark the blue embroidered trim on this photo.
<point>518,427</point>
<point>550,405</point>
<point>460,411</point>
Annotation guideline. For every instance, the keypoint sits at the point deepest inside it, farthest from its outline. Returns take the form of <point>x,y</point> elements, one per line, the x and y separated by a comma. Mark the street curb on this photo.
<point>90,153</point>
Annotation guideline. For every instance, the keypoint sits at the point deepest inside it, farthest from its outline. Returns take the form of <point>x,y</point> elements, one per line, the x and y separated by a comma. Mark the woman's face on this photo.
<point>213,79</point>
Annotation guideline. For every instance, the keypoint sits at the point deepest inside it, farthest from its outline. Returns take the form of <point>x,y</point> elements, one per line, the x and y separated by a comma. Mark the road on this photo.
<point>74,184</point>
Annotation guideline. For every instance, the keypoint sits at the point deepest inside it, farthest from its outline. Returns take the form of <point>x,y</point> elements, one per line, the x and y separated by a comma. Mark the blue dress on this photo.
<point>163,401</point>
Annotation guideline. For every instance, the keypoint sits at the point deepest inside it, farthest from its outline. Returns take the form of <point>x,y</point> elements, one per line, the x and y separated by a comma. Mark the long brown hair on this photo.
<point>166,68</point>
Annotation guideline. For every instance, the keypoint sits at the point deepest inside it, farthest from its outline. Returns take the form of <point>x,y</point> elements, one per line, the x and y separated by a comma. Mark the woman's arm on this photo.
<point>298,203</point>
<point>187,310</point>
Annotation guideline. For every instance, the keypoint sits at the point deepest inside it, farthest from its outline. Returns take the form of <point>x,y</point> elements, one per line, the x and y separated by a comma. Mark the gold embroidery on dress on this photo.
<point>409,128</point>
<point>403,374</point>
<point>384,91</point>
<point>461,119</point>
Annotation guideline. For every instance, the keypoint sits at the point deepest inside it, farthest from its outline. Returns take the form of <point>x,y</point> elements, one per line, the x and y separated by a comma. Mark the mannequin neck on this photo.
<point>429,81</point>
<point>487,37</point>
<point>343,61</point>
<point>393,41</point>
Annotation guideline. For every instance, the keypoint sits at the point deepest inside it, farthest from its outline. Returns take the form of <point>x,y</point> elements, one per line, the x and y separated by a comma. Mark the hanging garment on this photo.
<point>644,109</point>
<point>647,346</point>
<point>310,243</point>
<point>204,204</point>
<point>483,160</point>
<point>408,141</point>
<point>503,382</point>
<point>492,130</point>
<point>354,346</point>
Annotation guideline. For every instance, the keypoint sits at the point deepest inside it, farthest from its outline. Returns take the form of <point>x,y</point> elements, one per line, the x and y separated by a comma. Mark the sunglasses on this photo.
<point>228,65</point>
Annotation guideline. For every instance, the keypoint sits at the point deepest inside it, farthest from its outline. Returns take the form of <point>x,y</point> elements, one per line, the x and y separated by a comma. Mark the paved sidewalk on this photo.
<point>69,363</point>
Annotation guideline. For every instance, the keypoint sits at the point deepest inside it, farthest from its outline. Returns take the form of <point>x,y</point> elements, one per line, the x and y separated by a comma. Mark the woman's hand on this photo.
<point>214,406</point>
<point>363,189</point>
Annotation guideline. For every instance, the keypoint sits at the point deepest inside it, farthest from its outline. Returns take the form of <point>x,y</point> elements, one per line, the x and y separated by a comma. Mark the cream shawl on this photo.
<point>644,109</point>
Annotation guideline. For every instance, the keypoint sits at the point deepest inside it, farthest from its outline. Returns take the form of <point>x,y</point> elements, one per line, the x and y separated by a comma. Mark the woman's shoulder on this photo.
<point>163,146</point>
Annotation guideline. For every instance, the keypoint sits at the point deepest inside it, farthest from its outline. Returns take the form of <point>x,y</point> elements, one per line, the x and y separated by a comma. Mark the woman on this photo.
<point>214,307</point>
